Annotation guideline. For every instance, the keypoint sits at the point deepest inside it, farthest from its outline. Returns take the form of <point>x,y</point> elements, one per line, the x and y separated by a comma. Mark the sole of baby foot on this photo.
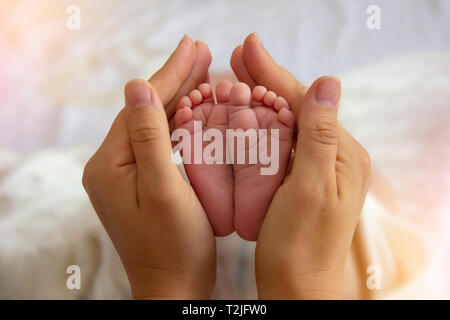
<point>213,183</point>
<point>256,183</point>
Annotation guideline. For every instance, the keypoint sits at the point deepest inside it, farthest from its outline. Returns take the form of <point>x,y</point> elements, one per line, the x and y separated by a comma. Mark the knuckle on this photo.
<point>324,130</point>
<point>144,134</point>
<point>96,174</point>
<point>317,194</point>
<point>313,196</point>
<point>88,174</point>
<point>364,158</point>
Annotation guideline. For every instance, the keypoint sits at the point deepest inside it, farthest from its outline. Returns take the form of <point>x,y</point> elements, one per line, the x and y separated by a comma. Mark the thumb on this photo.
<point>318,134</point>
<point>149,136</point>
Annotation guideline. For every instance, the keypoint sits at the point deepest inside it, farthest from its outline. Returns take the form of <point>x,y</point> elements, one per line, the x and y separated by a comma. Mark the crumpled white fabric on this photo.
<point>48,224</point>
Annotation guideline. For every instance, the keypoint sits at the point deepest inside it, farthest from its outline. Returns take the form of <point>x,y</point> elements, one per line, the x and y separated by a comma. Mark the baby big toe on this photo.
<point>240,95</point>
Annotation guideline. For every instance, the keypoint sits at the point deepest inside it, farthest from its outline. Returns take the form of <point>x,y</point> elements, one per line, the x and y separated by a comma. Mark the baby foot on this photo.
<point>236,197</point>
<point>213,183</point>
<point>253,191</point>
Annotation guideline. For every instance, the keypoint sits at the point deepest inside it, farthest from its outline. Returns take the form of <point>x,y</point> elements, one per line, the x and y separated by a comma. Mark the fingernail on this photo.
<point>183,39</point>
<point>327,92</point>
<point>257,38</point>
<point>137,93</point>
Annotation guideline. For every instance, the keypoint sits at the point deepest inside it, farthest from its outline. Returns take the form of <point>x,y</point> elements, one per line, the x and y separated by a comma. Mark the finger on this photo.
<point>168,80</point>
<point>239,68</point>
<point>198,75</point>
<point>149,137</point>
<point>116,145</point>
<point>318,135</point>
<point>265,71</point>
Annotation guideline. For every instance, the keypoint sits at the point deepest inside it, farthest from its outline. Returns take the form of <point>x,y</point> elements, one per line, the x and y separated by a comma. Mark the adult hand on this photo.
<point>305,238</point>
<point>151,214</point>
<point>186,68</point>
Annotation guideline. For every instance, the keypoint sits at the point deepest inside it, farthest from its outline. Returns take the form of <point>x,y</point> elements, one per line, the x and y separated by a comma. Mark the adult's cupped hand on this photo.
<point>151,214</point>
<point>305,238</point>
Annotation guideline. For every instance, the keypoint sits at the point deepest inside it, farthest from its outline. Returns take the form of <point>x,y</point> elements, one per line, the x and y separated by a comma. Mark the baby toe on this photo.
<point>286,117</point>
<point>206,91</point>
<point>184,102</point>
<point>240,95</point>
<point>280,103</point>
<point>269,98</point>
<point>258,93</point>
<point>196,97</point>
<point>182,116</point>
<point>223,90</point>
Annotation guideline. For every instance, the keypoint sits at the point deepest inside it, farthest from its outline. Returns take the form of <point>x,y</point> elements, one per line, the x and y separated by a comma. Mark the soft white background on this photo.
<point>60,89</point>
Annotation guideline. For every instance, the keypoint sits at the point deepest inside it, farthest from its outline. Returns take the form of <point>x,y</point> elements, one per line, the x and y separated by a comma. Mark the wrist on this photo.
<point>316,287</point>
<point>171,289</point>
<point>170,292</point>
<point>297,284</point>
<point>171,285</point>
